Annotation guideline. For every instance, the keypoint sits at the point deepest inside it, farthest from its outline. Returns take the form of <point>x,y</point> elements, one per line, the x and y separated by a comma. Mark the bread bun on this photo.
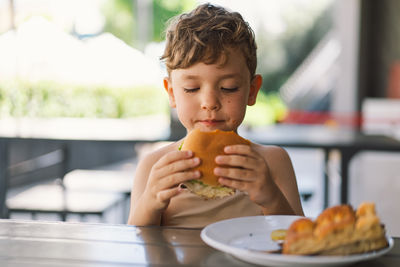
<point>207,146</point>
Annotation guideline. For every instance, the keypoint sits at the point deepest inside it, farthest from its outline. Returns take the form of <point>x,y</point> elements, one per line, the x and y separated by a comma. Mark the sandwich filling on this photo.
<point>208,191</point>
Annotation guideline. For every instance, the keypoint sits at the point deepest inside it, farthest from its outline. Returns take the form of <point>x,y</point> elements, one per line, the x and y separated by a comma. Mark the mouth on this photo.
<point>210,122</point>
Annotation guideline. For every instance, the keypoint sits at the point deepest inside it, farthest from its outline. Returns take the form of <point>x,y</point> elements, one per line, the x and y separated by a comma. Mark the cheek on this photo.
<point>185,105</point>
<point>236,107</point>
<point>180,99</point>
<point>238,101</point>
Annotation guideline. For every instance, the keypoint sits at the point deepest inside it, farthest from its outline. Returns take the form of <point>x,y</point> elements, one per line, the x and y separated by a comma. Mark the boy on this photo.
<point>211,60</point>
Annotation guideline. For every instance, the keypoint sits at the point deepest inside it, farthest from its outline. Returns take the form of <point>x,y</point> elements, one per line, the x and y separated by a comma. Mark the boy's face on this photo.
<point>215,96</point>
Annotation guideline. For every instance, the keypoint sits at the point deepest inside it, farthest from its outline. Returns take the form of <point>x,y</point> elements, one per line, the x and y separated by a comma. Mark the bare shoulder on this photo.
<point>272,154</point>
<point>147,158</point>
<point>282,172</point>
<point>277,159</point>
<point>151,153</point>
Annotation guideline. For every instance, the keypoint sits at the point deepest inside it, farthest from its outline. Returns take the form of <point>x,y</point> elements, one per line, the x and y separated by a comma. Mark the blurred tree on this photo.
<point>121,21</point>
<point>166,9</point>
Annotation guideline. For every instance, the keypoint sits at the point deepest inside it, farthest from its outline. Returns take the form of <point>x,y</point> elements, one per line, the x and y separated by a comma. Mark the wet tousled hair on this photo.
<point>205,35</point>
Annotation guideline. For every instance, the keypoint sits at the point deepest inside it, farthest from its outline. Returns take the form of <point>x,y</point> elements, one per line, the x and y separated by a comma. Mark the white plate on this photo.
<point>246,237</point>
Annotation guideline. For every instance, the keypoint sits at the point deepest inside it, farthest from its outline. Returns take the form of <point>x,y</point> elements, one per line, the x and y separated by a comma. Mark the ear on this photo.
<point>255,86</point>
<point>170,91</point>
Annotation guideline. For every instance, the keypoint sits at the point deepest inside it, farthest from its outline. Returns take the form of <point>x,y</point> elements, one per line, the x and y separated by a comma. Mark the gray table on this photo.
<point>349,142</point>
<point>70,133</point>
<point>67,145</point>
<point>33,243</point>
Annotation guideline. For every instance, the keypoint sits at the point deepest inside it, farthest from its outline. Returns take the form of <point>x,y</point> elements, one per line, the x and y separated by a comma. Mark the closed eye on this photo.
<point>229,90</point>
<point>190,90</point>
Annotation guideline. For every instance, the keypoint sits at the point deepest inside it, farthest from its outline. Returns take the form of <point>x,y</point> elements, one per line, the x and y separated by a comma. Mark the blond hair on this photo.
<point>205,35</point>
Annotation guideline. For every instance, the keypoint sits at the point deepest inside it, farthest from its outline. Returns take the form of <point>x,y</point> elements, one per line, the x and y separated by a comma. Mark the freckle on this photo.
<point>229,101</point>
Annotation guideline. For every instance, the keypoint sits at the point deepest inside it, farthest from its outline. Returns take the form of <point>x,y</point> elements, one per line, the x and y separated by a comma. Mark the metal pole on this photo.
<point>3,177</point>
<point>12,15</point>
<point>144,18</point>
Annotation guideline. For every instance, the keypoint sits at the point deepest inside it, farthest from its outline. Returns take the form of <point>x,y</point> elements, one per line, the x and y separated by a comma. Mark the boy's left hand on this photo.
<point>246,170</point>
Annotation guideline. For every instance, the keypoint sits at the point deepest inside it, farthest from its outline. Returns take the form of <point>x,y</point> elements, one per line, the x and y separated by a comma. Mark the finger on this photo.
<point>172,157</point>
<point>178,166</point>
<point>239,149</point>
<point>177,178</point>
<point>166,195</point>
<point>234,173</point>
<point>237,161</point>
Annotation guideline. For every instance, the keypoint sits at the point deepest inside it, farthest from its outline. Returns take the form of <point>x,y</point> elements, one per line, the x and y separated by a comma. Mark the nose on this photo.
<point>210,100</point>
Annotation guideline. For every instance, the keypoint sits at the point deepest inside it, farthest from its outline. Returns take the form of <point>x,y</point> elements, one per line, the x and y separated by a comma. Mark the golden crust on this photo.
<point>300,235</point>
<point>337,230</point>
<point>334,219</point>
<point>302,226</point>
<point>365,209</point>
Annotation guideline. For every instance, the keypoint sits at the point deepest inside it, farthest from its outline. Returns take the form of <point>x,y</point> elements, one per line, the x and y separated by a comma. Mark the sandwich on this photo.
<point>338,230</point>
<point>207,146</point>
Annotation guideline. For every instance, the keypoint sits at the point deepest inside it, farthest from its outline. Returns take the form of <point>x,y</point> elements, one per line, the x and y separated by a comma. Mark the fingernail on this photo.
<point>218,159</point>
<point>189,153</point>
<point>196,160</point>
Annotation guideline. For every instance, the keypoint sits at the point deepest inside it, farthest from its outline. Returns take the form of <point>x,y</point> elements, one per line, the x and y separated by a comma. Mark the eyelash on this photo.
<point>190,90</point>
<point>230,90</point>
<point>227,90</point>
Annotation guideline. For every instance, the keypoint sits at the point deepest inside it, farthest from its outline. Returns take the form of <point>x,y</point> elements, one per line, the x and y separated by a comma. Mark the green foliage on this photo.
<point>120,20</point>
<point>121,17</point>
<point>50,99</point>
<point>268,109</point>
<point>163,10</point>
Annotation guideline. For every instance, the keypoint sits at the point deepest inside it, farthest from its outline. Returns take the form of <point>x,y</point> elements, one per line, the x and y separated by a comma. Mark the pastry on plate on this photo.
<point>338,230</point>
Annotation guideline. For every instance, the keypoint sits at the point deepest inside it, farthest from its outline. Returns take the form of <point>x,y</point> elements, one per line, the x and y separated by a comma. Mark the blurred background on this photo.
<point>89,71</point>
<point>100,59</point>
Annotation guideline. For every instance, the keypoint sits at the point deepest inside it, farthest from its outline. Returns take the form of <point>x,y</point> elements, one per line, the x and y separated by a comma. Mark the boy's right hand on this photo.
<point>166,175</point>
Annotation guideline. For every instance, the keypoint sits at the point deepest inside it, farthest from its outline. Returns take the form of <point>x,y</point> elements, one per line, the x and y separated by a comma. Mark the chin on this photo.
<point>211,128</point>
